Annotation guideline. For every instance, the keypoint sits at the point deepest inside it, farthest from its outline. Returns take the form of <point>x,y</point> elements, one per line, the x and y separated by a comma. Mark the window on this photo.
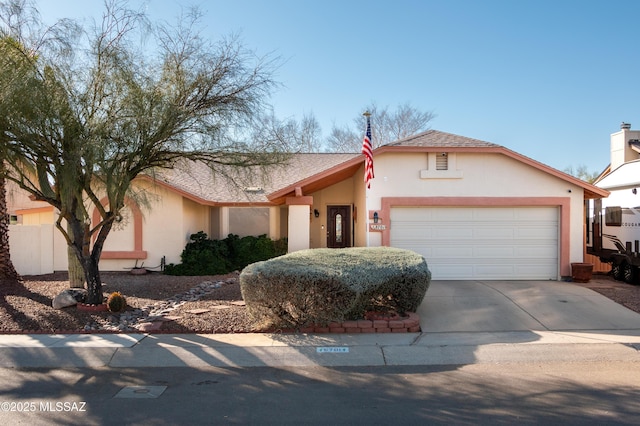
<point>613,216</point>
<point>249,221</point>
<point>338,228</point>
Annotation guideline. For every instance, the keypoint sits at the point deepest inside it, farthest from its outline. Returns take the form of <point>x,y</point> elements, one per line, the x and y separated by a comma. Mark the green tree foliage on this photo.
<point>87,110</point>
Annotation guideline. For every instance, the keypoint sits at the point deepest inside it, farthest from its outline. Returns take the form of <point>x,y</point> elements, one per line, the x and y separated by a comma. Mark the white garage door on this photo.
<point>461,243</point>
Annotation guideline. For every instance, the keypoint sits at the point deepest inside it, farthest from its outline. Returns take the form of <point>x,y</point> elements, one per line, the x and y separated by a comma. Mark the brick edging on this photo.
<point>408,324</point>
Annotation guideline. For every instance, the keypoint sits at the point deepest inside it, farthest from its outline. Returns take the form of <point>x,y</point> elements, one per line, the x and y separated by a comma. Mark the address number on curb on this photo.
<point>333,350</point>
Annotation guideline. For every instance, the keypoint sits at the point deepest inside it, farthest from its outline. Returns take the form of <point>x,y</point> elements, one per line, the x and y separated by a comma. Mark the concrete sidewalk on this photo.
<point>463,322</point>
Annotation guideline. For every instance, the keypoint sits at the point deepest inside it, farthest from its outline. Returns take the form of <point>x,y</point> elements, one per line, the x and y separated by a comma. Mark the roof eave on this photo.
<point>318,181</point>
<point>200,200</point>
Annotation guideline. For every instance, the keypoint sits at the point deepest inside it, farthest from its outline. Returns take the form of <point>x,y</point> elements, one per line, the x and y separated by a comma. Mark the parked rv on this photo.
<point>613,223</point>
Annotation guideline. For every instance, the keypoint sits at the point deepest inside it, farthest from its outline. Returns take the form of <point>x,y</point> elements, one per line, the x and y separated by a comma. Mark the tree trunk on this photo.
<point>7,271</point>
<point>80,243</point>
<point>94,284</point>
<point>76,273</point>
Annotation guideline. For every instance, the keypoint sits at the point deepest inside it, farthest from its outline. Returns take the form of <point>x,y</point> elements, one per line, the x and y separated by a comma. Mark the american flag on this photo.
<point>367,150</point>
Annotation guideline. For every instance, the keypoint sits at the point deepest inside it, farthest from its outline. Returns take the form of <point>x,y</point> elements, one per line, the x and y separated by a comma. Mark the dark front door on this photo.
<point>339,226</point>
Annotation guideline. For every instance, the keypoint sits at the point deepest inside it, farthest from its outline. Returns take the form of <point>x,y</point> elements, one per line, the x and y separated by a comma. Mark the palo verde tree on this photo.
<point>17,61</point>
<point>7,270</point>
<point>14,69</point>
<point>86,121</point>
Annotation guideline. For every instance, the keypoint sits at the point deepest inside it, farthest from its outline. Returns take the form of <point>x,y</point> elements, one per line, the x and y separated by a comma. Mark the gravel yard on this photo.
<point>26,307</point>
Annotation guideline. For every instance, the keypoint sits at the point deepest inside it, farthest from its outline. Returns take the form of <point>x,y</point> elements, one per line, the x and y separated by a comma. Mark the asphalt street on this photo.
<point>524,393</point>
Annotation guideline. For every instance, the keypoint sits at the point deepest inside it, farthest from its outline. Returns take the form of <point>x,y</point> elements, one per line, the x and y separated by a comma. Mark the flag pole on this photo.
<point>367,116</point>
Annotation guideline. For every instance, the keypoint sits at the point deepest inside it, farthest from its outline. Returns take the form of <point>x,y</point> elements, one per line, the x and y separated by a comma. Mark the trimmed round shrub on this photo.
<point>318,286</point>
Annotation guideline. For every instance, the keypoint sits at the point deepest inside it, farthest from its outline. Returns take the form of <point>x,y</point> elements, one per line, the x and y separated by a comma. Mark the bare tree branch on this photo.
<point>386,125</point>
<point>84,113</point>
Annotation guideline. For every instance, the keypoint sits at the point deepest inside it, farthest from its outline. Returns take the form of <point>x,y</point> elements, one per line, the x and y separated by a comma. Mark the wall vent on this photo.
<point>442,161</point>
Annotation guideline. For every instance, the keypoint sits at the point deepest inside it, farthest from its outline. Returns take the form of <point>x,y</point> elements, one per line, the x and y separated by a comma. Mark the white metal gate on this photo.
<point>32,248</point>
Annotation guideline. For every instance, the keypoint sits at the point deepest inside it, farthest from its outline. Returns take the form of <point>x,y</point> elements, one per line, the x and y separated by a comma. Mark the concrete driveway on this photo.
<point>498,306</point>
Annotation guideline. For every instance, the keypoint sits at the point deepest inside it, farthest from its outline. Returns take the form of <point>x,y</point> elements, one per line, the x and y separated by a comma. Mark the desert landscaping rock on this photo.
<point>69,297</point>
<point>198,311</point>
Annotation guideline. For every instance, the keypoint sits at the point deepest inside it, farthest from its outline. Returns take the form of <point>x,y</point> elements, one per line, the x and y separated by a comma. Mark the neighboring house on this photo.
<point>474,209</point>
<point>617,228</point>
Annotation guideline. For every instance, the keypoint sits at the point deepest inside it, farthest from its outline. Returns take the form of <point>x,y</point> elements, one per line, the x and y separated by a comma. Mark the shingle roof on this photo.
<point>228,185</point>
<point>436,138</point>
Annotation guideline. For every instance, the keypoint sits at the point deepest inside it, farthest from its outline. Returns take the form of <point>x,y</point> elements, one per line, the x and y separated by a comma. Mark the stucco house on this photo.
<point>473,209</point>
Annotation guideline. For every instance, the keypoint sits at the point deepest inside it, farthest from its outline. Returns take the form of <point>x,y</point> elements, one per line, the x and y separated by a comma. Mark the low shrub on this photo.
<point>247,250</point>
<point>203,256</point>
<point>318,286</point>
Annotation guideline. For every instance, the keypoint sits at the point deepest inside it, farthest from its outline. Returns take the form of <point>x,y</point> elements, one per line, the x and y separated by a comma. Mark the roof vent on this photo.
<point>253,189</point>
<point>625,126</point>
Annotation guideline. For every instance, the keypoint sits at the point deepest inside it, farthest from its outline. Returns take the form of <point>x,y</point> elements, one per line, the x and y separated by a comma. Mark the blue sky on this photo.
<point>550,79</point>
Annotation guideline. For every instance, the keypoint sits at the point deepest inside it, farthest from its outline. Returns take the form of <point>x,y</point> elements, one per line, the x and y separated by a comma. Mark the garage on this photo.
<point>464,243</point>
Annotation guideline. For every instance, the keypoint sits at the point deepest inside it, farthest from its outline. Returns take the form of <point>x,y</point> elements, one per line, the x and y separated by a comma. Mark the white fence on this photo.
<point>42,249</point>
<point>33,248</point>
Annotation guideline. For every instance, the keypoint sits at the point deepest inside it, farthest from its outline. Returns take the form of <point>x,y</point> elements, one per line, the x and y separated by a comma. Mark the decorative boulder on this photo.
<point>318,286</point>
<point>69,297</point>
